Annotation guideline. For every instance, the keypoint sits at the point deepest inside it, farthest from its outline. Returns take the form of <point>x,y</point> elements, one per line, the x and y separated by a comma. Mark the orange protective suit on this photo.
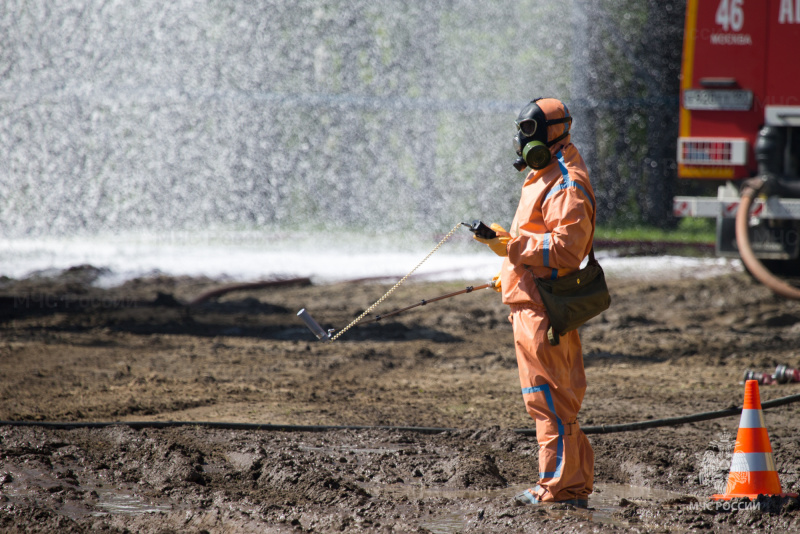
<point>552,233</point>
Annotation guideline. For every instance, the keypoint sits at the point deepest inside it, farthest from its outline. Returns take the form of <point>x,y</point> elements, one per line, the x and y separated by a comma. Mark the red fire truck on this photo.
<point>740,125</point>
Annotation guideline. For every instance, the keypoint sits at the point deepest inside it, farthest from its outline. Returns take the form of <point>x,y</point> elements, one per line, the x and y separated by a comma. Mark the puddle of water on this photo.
<point>448,523</point>
<point>418,493</point>
<point>603,503</point>
<point>239,460</point>
<point>613,493</point>
<point>604,496</point>
<point>30,483</point>
<point>114,502</point>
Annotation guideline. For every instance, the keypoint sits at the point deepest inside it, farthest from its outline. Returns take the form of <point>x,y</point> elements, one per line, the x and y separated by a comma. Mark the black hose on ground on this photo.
<point>600,429</point>
<point>675,421</point>
<point>750,190</point>
<point>216,293</point>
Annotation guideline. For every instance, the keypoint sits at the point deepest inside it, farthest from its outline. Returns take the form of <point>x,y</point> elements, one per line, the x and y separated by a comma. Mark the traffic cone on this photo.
<point>753,466</point>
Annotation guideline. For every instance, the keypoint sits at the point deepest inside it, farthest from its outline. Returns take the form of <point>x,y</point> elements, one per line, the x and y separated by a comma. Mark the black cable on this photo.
<point>674,421</point>
<point>600,429</point>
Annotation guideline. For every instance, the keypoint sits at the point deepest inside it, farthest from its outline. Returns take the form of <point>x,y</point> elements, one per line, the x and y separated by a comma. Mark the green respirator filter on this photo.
<point>536,155</point>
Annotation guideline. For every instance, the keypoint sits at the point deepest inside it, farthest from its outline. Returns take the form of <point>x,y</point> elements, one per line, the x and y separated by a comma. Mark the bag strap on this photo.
<point>592,259</point>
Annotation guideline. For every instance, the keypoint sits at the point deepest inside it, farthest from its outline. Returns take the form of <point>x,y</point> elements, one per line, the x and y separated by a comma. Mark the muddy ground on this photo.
<point>70,351</point>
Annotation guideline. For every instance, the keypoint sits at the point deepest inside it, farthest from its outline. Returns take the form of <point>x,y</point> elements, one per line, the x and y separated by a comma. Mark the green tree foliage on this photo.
<point>630,75</point>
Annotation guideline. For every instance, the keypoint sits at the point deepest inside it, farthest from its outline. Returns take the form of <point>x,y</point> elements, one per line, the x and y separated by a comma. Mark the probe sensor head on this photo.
<point>314,326</point>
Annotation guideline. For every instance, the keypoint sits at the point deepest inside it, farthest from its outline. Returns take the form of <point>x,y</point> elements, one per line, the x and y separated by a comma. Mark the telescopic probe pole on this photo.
<point>328,335</point>
<point>423,302</point>
<point>476,227</point>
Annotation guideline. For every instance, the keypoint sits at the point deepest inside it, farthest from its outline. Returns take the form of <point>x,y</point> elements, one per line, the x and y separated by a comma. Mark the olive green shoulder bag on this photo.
<point>572,300</point>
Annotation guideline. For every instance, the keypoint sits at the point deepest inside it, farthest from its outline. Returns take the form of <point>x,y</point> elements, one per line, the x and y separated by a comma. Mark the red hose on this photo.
<point>756,268</point>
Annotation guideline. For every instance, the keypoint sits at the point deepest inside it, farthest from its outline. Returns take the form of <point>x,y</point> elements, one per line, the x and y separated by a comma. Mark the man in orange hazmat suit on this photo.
<point>550,235</point>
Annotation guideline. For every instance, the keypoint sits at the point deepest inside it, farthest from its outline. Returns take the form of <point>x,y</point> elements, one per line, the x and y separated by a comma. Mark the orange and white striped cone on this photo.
<point>753,466</point>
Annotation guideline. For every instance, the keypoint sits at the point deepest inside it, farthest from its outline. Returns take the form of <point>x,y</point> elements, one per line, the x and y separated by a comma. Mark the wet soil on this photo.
<point>71,351</point>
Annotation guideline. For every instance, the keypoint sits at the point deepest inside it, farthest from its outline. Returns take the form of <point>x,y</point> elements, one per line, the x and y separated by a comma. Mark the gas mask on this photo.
<point>530,143</point>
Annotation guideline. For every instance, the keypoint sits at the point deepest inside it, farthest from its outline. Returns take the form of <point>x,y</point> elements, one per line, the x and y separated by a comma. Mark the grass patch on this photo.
<point>689,230</point>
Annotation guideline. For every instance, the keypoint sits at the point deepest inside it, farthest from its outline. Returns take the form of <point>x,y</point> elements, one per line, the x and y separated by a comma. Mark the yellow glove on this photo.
<point>499,243</point>
<point>496,285</point>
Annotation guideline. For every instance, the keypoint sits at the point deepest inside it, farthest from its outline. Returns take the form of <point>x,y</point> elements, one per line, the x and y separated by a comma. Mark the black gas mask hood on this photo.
<point>530,143</point>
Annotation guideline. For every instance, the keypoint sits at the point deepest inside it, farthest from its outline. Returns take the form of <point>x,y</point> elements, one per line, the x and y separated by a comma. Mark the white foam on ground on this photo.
<point>243,257</point>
